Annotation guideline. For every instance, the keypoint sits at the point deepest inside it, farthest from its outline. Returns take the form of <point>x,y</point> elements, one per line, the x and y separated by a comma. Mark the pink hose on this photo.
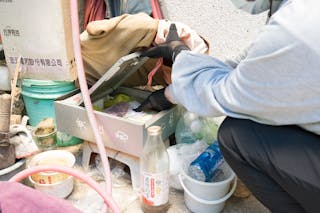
<point>157,14</point>
<point>92,119</point>
<point>156,10</point>
<point>85,93</point>
<point>93,184</point>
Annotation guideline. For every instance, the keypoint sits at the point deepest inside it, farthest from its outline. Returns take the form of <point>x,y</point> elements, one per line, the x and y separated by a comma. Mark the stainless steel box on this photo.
<point>118,133</point>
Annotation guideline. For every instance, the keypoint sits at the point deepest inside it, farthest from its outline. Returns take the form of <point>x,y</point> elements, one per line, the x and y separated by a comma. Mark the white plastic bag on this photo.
<point>178,155</point>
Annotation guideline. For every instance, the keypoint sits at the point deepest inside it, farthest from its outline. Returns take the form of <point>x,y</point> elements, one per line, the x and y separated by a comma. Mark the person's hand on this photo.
<point>156,101</point>
<point>170,48</point>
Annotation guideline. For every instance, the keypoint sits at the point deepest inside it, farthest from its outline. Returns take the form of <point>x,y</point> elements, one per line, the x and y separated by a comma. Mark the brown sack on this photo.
<point>105,41</point>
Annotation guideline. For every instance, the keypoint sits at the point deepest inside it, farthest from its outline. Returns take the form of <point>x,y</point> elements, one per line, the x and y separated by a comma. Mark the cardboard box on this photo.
<point>121,134</point>
<point>40,32</point>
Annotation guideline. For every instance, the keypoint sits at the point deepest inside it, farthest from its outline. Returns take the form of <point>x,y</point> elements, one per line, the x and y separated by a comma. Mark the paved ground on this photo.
<point>88,201</point>
<point>227,29</point>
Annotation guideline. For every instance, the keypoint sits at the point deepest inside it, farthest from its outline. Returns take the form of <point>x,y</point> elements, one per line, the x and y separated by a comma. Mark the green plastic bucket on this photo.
<point>39,96</point>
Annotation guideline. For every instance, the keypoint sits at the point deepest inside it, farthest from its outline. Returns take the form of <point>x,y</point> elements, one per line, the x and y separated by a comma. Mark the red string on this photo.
<point>157,14</point>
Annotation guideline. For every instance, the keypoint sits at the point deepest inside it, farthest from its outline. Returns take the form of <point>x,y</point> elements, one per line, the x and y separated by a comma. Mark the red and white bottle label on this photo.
<point>155,188</point>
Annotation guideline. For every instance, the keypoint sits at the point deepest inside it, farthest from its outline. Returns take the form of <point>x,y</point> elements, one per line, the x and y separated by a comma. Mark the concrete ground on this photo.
<point>88,201</point>
<point>228,29</point>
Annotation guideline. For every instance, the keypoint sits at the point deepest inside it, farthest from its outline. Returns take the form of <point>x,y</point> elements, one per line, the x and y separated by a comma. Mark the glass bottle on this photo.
<point>154,171</point>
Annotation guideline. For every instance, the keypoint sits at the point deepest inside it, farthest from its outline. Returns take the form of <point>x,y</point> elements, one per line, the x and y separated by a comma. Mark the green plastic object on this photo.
<point>39,96</point>
<point>192,127</point>
<point>63,139</point>
<point>117,99</point>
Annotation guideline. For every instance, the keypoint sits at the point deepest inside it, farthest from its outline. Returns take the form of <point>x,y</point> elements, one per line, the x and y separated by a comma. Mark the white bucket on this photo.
<point>209,190</point>
<point>198,205</point>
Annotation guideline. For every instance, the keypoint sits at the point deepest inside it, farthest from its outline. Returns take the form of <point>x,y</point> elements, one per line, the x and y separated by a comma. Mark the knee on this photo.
<point>231,131</point>
<point>225,131</point>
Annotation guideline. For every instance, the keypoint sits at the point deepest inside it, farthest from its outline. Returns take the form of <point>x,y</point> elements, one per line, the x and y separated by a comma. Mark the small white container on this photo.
<point>51,157</point>
<point>59,189</point>
<point>53,183</point>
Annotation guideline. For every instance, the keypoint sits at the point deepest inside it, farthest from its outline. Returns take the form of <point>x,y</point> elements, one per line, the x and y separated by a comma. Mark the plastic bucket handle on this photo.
<point>210,202</point>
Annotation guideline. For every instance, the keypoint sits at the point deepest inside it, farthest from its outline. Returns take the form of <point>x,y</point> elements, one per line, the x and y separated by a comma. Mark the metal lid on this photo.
<point>116,75</point>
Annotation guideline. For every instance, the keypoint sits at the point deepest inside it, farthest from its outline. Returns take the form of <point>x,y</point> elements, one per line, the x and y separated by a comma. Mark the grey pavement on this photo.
<point>227,29</point>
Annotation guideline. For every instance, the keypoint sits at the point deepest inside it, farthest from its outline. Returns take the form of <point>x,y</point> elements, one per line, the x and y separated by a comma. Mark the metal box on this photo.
<point>118,133</point>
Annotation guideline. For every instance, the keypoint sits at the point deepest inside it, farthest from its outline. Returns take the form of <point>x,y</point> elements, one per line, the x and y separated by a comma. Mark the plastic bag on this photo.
<point>179,154</point>
<point>192,127</point>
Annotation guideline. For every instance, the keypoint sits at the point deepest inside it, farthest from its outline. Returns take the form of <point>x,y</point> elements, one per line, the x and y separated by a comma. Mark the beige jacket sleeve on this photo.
<point>105,41</point>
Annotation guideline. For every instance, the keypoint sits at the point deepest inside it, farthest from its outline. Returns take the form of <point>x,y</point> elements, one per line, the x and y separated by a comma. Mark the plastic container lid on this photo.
<point>33,82</point>
<point>44,89</point>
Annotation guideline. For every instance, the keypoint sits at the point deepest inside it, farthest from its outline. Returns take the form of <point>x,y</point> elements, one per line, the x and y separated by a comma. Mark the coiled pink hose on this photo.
<point>85,93</point>
<point>106,197</point>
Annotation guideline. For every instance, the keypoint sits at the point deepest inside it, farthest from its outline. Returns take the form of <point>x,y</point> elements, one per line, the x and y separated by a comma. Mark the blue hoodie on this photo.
<point>278,83</point>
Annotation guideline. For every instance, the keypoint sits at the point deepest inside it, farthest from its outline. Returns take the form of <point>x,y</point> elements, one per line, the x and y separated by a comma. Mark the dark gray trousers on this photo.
<point>279,164</point>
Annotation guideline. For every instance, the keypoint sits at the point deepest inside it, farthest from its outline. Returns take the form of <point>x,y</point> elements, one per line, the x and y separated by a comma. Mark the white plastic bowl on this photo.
<point>59,189</point>
<point>53,183</point>
<point>52,157</point>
